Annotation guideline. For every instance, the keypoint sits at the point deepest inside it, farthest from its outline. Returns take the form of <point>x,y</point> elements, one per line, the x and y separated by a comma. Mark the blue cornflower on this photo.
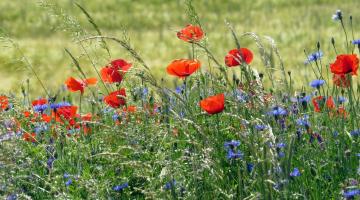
<point>231,144</point>
<point>145,92</point>
<point>351,193</point>
<point>295,172</point>
<point>118,188</point>
<point>356,41</point>
<point>358,155</point>
<point>317,83</point>
<point>249,167</point>
<point>66,175</point>
<point>11,197</point>
<point>341,100</point>
<point>59,105</point>
<point>260,127</point>
<point>169,184</point>
<point>232,155</point>
<point>115,117</point>
<point>68,182</point>
<point>277,111</point>
<point>40,108</point>
<point>355,132</point>
<point>50,162</point>
<point>40,128</point>
<point>180,89</point>
<point>314,57</point>
<point>337,16</point>
<point>306,99</point>
<point>280,145</point>
<point>281,154</point>
<point>303,121</point>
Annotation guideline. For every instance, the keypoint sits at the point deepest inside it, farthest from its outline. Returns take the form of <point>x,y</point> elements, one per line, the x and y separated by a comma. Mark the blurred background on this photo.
<point>43,29</point>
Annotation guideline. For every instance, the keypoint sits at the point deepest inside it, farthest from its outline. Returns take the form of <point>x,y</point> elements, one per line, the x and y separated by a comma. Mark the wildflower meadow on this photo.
<point>243,125</point>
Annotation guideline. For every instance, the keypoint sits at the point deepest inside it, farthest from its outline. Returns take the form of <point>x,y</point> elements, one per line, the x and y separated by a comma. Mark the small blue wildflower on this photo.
<point>145,92</point>
<point>180,89</point>
<point>40,108</point>
<point>249,167</point>
<point>351,193</point>
<point>119,188</point>
<point>277,111</point>
<point>232,155</point>
<point>358,155</point>
<point>115,117</point>
<point>11,197</point>
<point>68,182</point>
<point>281,154</point>
<point>317,83</point>
<point>59,105</point>
<point>335,133</point>
<point>231,144</point>
<point>341,100</point>
<point>40,128</point>
<point>66,175</point>
<point>169,184</point>
<point>337,16</point>
<point>355,132</point>
<point>356,41</point>
<point>50,162</point>
<point>280,145</point>
<point>295,172</point>
<point>314,57</point>
<point>303,121</point>
<point>260,127</point>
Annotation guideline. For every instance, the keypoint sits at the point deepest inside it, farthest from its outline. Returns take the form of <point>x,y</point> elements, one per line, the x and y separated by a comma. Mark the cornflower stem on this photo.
<point>240,184</point>
<point>346,36</point>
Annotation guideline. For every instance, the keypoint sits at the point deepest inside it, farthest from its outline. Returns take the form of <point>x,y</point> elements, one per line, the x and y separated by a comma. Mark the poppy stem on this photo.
<point>193,50</point>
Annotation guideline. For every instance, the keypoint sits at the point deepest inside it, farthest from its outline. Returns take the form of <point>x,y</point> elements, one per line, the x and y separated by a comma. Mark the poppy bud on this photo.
<point>332,41</point>
<point>261,75</point>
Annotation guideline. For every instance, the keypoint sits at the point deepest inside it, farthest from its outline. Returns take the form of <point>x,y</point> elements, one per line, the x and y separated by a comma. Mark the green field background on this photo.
<point>42,33</point>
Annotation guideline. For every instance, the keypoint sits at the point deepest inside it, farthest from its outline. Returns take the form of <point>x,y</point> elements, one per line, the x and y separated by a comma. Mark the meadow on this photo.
<point>179,99</point>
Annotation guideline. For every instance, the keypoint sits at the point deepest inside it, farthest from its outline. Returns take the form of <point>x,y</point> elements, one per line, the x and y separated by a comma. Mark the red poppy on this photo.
<point>342,80</point>
<point>46,118</point>
<point>130,109</point>
<point>344,64</point>
<point>213,104</point>
<point>79,85</point>
<point>183,67</point>
<point>67,113</point>
<point>236,56</point>
<point>116,99</point>
<point>342,112</point>
<point>4,102</point>
<point>29,137</point>
<point>114,73</point>
<point>85,123</point>
<point>39,102</point>
<point>319,101</point>
<point>191,33</point>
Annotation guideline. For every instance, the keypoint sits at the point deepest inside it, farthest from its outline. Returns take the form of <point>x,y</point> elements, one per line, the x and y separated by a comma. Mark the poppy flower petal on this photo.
<point>90,81</point>
<point>213,104</point>
<point>183,67</point>
<point>191,33</point>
